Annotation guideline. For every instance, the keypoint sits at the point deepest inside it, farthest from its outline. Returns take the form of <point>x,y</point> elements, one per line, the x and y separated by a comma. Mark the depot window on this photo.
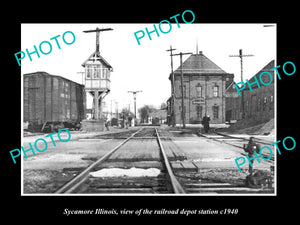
<point>215,111</point>
<point>264,103</point>
<point>199,111</point>
<point>271,102</point>
<point>216,91</point>
<point>180,108</point>
<point>184,91</point>
<point>199,90</point>
<point>258,104</point>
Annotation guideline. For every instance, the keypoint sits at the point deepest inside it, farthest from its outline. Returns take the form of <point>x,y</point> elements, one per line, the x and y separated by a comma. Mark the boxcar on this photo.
<point>51,102</point>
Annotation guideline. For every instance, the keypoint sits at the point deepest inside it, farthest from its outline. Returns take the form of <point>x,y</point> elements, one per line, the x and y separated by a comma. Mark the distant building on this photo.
<point>158,114</point>
<point>204,87</point>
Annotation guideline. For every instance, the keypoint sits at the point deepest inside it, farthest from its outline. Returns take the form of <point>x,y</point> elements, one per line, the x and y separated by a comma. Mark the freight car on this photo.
<point>52,102</point>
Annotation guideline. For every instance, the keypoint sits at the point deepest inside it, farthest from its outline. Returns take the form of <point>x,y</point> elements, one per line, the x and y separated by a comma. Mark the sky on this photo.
<point>146,67</point>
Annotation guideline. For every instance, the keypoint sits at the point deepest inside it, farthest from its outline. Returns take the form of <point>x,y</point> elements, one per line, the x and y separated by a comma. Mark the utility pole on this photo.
<point>98,30</point>
<point>134,97</point>
<point>173,87</point>
<point>111,113</point>
<point>182,96</point>
<point>117,112</point>
<point>242,79</point>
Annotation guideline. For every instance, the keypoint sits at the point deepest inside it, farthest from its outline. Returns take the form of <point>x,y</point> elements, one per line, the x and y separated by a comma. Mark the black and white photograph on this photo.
<point>144,109</point>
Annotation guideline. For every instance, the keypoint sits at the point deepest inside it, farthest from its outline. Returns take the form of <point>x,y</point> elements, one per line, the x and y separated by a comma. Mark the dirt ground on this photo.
<point>39,181</point>
<point>267,128</point>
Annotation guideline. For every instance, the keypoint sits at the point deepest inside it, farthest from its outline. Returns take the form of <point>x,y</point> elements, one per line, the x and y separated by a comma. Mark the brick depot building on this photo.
<point>204,87</point>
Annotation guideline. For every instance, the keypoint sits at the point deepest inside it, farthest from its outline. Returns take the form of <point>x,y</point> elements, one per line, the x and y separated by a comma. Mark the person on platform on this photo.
<point>126,122</point>
<point>107,125</point>
<point>250,149</point>
<point>205,123</point>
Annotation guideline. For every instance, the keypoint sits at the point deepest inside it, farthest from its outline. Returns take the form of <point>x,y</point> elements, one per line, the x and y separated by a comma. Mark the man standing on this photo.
<point>205,123</point>
<point>250,149</point>
<point>107,125</point>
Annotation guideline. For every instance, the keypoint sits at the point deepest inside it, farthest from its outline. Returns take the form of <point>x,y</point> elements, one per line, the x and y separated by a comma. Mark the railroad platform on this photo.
<point>75,135</point>
<point>198,128</point>
<point>199,163</point>
<point>267,139</point>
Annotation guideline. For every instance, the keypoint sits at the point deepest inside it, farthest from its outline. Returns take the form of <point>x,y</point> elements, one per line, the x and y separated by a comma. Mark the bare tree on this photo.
<point>144,112</point>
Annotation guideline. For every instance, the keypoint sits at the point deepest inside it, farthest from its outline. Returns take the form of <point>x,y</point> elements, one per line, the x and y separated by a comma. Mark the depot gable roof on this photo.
<point>199,64</point>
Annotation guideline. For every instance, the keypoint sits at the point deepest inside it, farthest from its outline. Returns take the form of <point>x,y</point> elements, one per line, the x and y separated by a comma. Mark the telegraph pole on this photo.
<point>242,80</point>
<point>173,87</point>
<point>241,57</point>
<point>134,97</point>
<point>98,30</point>
<point>111,113</point>
<point>182,97</point>
<point>117,112</point>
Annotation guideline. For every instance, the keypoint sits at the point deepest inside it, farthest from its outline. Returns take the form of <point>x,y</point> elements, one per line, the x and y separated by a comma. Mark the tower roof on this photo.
<point>96,58</point>
<point>199,64</point>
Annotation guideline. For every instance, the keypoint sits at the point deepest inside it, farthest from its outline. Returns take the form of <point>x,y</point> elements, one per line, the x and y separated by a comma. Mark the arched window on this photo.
<point>216,90</point>
<point>199,90</point>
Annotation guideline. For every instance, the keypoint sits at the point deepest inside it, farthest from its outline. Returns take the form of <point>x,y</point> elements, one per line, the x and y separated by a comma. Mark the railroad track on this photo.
<point>87,181</point>
<point>258,140</point>
<point>148,148</point>
<point>237,142</point>
<point>198,181</point>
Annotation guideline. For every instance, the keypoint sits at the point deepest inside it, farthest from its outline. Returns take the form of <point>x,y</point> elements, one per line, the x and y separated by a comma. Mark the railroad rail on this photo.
<point>83,177</point>
<point>196,179</point>
<point>234,141</point>
<point>175,184</point>
<point>242,138</point>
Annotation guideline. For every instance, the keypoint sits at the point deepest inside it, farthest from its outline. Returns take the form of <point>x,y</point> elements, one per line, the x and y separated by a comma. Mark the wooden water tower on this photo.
<point>97,77</point>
